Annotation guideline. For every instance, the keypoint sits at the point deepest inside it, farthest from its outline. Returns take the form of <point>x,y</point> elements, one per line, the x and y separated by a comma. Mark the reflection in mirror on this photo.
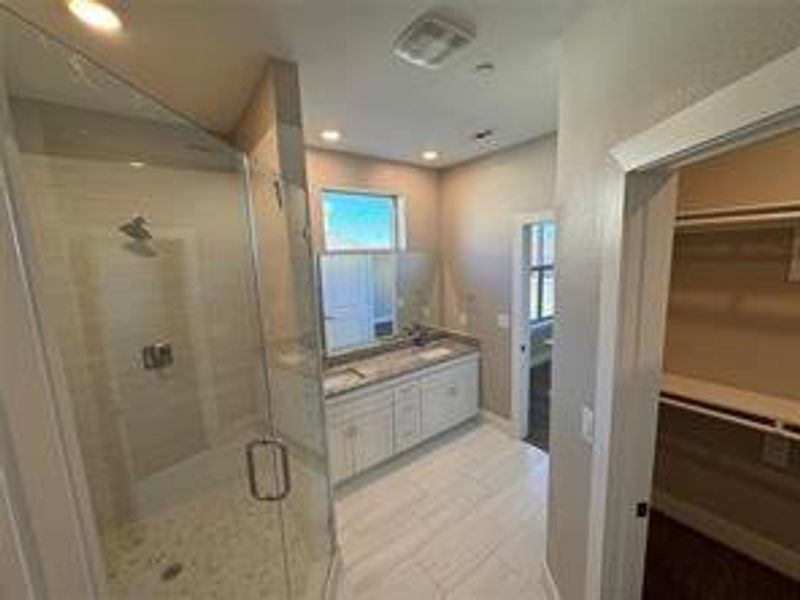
<point>370,297</point>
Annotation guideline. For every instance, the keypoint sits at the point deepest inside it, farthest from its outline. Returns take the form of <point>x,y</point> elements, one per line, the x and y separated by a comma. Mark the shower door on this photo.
<point>290,319</point>
<point>178,363</point>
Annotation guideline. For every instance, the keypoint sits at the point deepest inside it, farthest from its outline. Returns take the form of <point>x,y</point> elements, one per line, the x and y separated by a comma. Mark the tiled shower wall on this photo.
<point>104,299</point>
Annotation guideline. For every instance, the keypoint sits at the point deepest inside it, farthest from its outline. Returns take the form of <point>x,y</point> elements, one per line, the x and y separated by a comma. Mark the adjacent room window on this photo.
<point>359,267</point>
<point>359,222</point>
<point>542,276</point>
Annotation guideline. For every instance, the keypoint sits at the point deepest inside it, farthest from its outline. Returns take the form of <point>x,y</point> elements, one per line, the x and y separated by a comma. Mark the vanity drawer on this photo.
<point>361,404</point>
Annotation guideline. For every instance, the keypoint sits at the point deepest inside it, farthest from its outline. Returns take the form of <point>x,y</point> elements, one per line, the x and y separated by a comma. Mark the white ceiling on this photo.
<point>204,56</point>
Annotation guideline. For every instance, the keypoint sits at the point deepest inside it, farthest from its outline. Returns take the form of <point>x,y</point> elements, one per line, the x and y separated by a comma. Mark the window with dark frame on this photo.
<point>542,271</point>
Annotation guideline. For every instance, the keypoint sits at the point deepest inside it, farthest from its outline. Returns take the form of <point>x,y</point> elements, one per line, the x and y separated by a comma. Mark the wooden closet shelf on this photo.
<point>771,414</point>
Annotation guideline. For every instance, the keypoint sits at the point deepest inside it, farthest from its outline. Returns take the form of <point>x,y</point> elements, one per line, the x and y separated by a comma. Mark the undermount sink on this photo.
<point>435,353</point>
<point>345,377</point>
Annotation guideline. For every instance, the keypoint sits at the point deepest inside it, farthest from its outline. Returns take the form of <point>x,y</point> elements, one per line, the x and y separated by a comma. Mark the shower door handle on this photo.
<point>268,444</point>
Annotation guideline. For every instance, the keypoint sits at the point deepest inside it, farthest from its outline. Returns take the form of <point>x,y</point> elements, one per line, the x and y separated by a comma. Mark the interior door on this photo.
<point>347,302</point>
<point>292,337</point>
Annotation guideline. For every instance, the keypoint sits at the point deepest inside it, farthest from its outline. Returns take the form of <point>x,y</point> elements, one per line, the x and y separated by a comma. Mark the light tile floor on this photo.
<point>461,518</point>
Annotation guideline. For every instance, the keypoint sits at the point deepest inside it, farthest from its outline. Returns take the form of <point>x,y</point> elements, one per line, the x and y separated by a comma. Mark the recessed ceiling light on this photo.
<point>137,164</point>
<point>484,68</point>
<point>97,14</point>
<point>430,155</point>
<point>331,135</point>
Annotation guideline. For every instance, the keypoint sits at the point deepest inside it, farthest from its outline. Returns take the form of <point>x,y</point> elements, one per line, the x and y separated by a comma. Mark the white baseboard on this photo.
<point>733,535</point>
<point>334,587</point>
<point>548,583</point>
<point>501,423</point>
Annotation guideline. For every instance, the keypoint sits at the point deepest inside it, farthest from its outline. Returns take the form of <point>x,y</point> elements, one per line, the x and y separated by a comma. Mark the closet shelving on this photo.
<point>763,412</point>
<point>734,217</point>
<point>756,410</point>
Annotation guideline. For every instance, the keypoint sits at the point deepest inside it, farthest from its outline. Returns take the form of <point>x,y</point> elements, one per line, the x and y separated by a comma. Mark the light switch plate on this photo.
<point>776,451</point>
<point>462,318</point>
<point>503,320</point>
<point>587,424</point>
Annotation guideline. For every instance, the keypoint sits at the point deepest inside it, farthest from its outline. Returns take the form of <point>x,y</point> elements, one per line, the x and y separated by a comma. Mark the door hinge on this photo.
<point>642,509</point>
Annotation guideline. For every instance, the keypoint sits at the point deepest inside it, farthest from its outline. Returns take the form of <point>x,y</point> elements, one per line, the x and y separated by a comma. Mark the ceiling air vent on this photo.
<point>430,40</point>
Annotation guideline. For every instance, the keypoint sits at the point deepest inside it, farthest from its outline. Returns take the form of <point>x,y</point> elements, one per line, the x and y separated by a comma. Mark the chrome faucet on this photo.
<point>417,333</point>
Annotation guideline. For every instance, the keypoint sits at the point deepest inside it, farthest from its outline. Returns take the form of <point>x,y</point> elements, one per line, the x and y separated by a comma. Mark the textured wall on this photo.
<point>626,65</point>
<point>479,202</point>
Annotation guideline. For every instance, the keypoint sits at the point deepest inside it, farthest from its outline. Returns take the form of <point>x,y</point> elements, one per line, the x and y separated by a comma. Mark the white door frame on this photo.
<point>641,197</point>
<point>520,321</point>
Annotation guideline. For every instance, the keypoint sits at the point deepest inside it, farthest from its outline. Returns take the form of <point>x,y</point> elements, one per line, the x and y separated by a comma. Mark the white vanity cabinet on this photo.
<point>361,433</point>
<point>372,424</point>
<point>451,396</point>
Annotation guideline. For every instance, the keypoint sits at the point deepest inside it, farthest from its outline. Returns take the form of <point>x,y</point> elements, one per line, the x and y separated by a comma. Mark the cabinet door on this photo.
<point>407,417</point>
<point>440,403</point>
<point>373,441</point>
<point>340,450</point>
<point>466,376</point>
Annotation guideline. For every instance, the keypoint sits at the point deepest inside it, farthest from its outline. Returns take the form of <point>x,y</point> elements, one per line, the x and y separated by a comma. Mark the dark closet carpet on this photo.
<point>685,565</point>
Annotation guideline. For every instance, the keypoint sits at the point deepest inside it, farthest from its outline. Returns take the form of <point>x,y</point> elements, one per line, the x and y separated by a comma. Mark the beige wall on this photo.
<point>767,172</point>
<point>479,202</point>
<point>625,66</point>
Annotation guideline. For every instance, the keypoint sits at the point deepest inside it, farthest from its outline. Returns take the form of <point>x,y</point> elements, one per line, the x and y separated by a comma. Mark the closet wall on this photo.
<point>734,319</point>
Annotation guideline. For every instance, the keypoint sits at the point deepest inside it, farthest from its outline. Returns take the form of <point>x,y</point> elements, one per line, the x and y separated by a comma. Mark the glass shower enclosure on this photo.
<point>175,291</point>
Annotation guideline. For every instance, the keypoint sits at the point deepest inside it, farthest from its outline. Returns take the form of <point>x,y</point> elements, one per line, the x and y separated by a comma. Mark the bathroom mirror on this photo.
<point>368,298</point>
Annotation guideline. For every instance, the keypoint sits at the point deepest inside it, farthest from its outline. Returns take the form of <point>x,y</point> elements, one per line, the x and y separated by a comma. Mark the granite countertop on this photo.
<point>347,376</point>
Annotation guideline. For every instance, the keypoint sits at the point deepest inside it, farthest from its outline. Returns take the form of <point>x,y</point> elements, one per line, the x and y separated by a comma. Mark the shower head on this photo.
<point>136,229</point>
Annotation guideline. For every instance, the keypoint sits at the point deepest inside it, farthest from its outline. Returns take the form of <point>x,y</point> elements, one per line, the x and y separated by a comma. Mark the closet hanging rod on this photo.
<point>764,425</point>
<point>784,211</point>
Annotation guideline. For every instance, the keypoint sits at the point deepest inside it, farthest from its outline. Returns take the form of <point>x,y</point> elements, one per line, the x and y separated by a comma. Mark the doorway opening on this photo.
<point>643,184</point>
<point>533,309</point>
